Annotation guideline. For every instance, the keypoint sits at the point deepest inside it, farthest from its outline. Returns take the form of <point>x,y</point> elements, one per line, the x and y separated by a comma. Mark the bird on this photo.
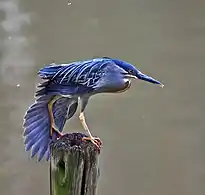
<point>63,88</point>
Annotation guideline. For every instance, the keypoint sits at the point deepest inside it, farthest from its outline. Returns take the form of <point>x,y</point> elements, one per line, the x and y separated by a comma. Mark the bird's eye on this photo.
<point>131,71</point>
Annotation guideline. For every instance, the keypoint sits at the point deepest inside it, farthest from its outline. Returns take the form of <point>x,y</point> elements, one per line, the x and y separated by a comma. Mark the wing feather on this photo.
<point>85,73</point>
<point>63,109</point>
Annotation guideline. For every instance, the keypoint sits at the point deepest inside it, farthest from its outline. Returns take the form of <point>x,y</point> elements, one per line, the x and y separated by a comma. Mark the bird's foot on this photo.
<point>59,134</point>
<point>95,140</point>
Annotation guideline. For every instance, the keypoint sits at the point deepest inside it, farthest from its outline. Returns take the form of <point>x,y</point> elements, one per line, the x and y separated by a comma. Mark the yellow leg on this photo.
<point>83,122</point>
<point>52,126</point>
<point>96,141</point>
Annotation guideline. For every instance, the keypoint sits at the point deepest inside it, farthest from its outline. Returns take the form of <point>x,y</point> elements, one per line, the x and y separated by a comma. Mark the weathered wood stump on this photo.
<point>73,166</point>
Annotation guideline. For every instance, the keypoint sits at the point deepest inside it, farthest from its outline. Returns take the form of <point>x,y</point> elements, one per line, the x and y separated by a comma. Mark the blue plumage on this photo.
<point>63,109</point>
<point>76,73</point>
<point>37,121</point>
<point>57,97</point>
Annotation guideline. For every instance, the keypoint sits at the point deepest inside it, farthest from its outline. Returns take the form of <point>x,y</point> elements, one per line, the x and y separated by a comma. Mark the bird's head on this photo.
<point>133,72</point>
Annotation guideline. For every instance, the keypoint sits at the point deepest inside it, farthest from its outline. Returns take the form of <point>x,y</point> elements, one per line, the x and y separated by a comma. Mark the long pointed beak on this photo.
<point>144,77</point>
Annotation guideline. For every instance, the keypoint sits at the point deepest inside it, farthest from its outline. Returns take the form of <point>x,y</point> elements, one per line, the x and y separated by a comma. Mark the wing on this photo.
<point>79,74</point>
<point>37,122</point>
<point>37,127</point>
<point>63,109</point>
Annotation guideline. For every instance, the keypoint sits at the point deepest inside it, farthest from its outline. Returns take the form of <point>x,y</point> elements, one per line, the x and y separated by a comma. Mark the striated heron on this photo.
<point>63,86</point>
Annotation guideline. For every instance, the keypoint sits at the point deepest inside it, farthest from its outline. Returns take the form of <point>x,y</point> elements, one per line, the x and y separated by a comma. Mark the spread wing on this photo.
<point>37,121</point>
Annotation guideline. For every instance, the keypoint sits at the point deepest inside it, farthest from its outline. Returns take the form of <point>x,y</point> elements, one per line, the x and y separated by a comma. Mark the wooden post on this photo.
<point>73,166</point>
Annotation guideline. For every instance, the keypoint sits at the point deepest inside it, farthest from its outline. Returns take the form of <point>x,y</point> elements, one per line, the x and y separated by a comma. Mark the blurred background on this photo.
<point>154,139</point>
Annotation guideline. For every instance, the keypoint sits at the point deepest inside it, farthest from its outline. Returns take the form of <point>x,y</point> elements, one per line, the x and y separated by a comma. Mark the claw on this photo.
<point>98,140</point>
<point>59,134</point>
<point>95,140</point>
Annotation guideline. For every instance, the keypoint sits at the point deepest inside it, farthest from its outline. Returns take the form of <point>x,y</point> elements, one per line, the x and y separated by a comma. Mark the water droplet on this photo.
<point>18,85</point>
<point>69,3</point>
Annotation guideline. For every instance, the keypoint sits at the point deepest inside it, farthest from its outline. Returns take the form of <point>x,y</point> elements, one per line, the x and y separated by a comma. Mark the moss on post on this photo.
<point>73,166</point>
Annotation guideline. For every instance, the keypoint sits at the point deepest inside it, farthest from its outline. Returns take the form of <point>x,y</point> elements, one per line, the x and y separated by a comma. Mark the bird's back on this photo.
<point>72,71</point>
<point>80,77</point>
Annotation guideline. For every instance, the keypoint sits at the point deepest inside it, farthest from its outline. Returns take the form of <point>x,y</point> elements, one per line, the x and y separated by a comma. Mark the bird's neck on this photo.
<point>127,84</point>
